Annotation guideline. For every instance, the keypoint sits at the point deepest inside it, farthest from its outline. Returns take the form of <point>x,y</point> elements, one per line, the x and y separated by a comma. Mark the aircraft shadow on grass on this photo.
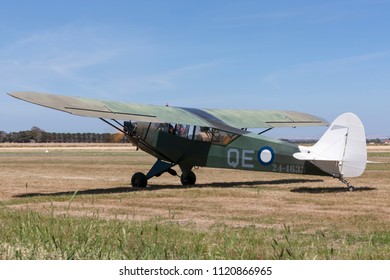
<point>249,184</point>
<point>320,190</point>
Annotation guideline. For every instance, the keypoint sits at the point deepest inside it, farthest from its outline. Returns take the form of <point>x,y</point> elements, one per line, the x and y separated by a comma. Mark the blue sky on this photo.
<point>319,57</point>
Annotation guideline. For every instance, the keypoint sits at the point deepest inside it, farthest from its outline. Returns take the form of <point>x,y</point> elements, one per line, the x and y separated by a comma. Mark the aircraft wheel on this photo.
<point>351,188</point>
<point>139,180</point>
<point>188,178</point>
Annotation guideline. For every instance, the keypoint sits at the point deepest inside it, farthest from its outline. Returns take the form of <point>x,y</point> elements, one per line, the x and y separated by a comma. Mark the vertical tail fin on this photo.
<point>342,150</point>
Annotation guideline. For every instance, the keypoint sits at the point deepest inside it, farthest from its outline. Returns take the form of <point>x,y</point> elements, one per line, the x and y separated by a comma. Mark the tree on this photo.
<point>118,137</point>
<point>36,134</point>
<point>3,136</point>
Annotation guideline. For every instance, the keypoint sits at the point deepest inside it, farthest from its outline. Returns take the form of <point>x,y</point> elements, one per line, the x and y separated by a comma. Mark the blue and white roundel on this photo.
<point>265,155</point>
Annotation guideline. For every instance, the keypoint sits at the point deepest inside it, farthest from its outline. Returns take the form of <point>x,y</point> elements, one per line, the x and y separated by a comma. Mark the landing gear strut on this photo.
<point>350,187</point>
<point>140,180</point>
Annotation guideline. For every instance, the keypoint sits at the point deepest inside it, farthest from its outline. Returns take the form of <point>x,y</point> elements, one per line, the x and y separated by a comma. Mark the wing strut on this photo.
<point>136,139</point>
<point>264,131</point>
<point>114,126</point>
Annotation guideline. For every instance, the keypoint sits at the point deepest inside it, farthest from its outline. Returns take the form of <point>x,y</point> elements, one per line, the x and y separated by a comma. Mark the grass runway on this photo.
<point>74,202</point>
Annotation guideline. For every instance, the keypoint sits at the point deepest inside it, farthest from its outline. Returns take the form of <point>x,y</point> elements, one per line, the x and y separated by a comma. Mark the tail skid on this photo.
<point>341,151</point>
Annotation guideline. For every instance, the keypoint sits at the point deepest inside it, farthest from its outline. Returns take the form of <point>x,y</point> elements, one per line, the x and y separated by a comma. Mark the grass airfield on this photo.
<point>74,202</point>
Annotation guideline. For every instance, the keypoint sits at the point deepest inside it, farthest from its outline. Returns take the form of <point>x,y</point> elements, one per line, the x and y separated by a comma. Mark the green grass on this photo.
<point>31,235</point>
<point>379,154</point>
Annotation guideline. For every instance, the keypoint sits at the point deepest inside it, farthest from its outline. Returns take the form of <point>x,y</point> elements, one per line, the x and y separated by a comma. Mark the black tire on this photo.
<point>188,178</point>
<point>139,180</point>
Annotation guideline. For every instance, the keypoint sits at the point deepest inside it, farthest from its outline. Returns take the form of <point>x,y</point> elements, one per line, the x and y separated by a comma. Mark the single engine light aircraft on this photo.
<point>190,137</point>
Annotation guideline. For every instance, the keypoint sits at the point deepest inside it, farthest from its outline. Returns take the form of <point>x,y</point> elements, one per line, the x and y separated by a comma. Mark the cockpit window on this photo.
<point>203,133</point>
<point>198,133</point>
<point>214,135</point>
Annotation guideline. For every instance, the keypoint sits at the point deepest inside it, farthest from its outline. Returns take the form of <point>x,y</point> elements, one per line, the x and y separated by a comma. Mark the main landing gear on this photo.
<point>188,178</point>
<point>140,180</point>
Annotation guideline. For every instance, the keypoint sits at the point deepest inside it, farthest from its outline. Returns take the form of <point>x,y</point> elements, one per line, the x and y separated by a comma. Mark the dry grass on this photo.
<point>43,179</point>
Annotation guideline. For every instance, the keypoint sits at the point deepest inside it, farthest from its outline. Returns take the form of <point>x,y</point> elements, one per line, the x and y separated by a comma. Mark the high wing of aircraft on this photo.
<point>190,137</point>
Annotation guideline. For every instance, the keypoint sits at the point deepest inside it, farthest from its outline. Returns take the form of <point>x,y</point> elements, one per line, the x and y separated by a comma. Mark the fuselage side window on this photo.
<point>185,131</point>
<point>162,126</point>
<point>203,133</point>
<point>222,137</point>
<point>182,130</point>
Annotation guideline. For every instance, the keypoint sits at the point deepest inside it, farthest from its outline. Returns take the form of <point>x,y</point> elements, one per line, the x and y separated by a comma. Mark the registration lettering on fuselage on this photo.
<point>243,158</point>
<point>240,158</point>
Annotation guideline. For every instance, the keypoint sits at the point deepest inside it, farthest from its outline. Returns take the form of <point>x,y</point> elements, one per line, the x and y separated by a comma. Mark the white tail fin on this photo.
<point>342,150</point>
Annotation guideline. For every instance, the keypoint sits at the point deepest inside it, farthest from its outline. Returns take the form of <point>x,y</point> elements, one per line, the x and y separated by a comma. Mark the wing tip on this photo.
<point>21,94</point>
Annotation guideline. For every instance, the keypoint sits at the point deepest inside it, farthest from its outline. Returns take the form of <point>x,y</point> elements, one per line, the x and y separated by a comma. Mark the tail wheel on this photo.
<point>139,180</point>
<point>188,178</point>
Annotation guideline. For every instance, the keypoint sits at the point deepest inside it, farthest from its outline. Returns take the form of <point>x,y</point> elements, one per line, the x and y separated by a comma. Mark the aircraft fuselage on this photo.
<point>219,149</point>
